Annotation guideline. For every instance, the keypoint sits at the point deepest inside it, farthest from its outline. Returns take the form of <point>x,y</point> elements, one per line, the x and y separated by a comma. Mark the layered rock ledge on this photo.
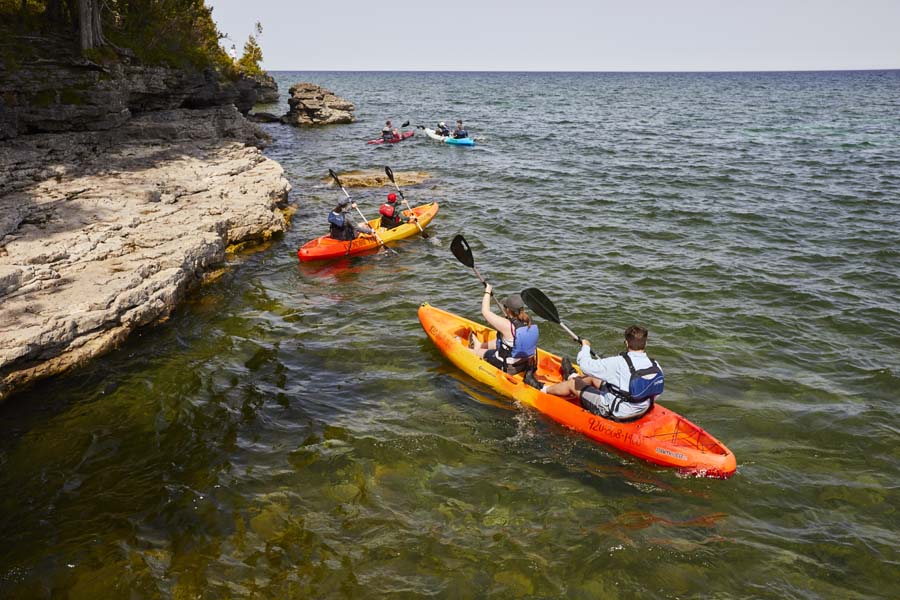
<point>102,232</point>
<point>311,104</point>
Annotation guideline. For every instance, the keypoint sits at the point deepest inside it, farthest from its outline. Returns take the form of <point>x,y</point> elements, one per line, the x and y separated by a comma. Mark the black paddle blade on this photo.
<point>405,124</point>
<point>460,249</point>
<point>389,173</point>
<point>540,304</point>
<point>335,177</point>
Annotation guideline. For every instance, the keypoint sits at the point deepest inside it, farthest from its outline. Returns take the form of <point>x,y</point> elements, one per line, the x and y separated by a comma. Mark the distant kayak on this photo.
<point>661,436</point>
<point>448,139</point>
<point>403,135</point>
<point>326,247</point>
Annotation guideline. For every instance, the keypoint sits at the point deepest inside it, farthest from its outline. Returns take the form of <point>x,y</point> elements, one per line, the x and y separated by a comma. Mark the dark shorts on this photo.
<point>491,357</point>
<point>514,369</point>
<point>595,401</point>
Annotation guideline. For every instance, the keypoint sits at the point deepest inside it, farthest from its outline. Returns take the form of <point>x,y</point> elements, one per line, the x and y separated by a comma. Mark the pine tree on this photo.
<point>249,61</point>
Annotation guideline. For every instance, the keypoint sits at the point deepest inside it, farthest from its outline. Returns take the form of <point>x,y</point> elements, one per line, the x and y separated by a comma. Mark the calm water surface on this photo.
<point>291,432</point>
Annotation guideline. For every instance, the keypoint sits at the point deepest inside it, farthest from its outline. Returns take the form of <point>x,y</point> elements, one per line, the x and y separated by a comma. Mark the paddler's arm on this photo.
<point>597,367</point>
<point>494,320</point>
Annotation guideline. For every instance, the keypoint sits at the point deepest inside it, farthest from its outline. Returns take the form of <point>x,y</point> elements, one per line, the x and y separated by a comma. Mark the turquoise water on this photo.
<point>291,432</point>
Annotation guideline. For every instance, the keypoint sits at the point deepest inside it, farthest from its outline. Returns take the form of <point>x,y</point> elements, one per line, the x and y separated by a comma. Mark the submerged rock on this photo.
<point>104,232</point>
<point>311,104</point>
<point>378,178</point>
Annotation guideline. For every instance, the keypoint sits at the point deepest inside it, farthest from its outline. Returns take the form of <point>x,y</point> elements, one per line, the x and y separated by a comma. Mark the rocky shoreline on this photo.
<point>104,231</point>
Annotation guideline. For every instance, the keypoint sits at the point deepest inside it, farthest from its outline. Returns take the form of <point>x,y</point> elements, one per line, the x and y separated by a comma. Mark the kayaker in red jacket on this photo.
<point>391,214</point>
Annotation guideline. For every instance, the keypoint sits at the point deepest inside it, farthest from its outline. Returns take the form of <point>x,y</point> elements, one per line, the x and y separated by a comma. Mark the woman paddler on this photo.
<point>517,337</point>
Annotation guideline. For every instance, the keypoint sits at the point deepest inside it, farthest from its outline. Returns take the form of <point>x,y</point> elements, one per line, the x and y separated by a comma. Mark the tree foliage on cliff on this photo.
<point>249,61</point>
<point>178,33</point>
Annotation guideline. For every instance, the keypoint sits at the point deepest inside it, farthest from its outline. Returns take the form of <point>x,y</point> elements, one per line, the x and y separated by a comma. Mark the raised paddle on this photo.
<point>463,253</point>
<point>374,232</point>
<point>412,215</point>
<point>544,308</point>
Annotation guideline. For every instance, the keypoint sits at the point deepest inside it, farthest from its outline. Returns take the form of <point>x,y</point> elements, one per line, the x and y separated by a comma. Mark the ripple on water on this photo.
<point>291,432</point>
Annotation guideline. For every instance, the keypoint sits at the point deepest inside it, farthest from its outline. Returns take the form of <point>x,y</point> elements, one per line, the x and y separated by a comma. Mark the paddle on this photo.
<point>374,232</point>
<point>463,253</point>
<point>412,215</point>
<point>544,308</point>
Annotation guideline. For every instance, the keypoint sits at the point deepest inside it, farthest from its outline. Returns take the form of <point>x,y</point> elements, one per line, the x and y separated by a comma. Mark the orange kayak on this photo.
<point>326,247</point>
<point>661,436</point>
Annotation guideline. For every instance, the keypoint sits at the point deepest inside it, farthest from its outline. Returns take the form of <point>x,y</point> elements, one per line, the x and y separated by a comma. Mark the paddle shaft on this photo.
<point>500,306</point>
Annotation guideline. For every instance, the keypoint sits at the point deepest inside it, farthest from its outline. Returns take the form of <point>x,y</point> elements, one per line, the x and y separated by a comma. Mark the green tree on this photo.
<point>177,33</point>
<point>249,61</point>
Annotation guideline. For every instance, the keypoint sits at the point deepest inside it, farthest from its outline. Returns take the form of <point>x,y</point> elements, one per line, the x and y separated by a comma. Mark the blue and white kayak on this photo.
<point>448,139</point>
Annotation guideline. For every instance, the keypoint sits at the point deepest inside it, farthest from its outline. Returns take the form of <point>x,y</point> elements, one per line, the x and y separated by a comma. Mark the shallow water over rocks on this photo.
<point>290,432</point>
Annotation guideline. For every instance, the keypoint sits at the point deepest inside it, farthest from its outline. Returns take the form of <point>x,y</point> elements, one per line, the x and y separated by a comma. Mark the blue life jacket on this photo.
<point>460,133</point>
<point>336,219</point>
<point>444,131</point>
<point>341,227</point>
<point>524,346</point>
<point>644,384</point>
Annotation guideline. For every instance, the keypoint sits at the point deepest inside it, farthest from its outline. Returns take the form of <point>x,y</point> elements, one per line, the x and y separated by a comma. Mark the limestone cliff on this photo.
<point>120,185</point>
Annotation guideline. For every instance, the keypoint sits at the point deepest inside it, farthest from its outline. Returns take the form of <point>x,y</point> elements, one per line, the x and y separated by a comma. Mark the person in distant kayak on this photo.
<point>460,132</point>
<point>517,337</point>
<point>389,133</point>
<point>442,129</point>
<point>622,387</point>
<point>342,227</point>
<point>391,213</point>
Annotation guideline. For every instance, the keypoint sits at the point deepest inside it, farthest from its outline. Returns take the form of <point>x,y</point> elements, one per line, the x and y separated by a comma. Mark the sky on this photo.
<point>567,35</point>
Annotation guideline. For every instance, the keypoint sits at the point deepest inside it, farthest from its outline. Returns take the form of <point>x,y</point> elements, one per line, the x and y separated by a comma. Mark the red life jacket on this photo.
<point>390,216</point>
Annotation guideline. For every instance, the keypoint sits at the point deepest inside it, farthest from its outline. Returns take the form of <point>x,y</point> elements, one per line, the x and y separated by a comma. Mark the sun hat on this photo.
<point>514,302</point>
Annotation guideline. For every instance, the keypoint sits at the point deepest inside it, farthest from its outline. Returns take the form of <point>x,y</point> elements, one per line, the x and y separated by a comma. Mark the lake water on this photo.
<point>291,432</point>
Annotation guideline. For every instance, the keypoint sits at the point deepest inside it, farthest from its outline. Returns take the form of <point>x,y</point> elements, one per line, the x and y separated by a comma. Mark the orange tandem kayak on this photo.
<point>661,436</point>
<point>326,247</point>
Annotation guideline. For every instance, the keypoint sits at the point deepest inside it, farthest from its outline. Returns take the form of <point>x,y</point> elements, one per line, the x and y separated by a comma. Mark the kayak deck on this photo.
<point>326,247</point>
<point>661,436</point>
